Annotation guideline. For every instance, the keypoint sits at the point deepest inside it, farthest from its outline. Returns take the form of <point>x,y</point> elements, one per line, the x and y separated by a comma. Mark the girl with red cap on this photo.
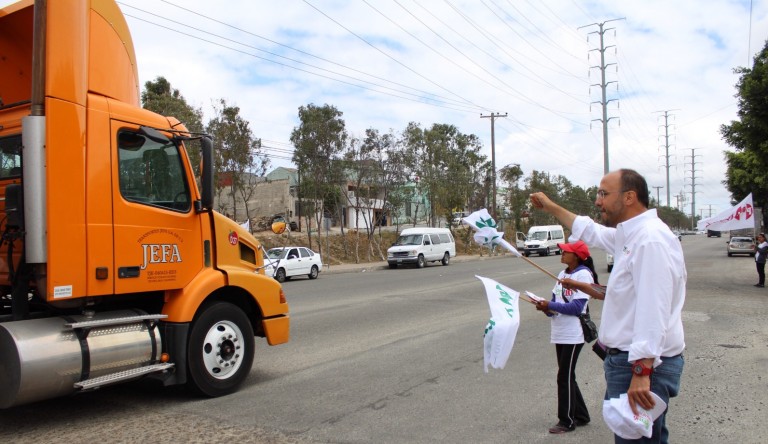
<point>567,335</point>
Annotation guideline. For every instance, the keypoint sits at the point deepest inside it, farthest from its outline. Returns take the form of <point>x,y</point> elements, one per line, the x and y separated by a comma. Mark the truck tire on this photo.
<point>421,262</point>
<point>446,259</point>
<point>313,274</point>
<point>220,350</point>
<point>280,275</point>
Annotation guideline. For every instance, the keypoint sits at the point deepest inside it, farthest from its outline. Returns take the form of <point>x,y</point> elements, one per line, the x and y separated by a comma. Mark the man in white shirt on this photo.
<point>641,322</point>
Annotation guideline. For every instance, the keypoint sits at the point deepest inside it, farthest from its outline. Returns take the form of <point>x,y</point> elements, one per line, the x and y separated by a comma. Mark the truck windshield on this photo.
<point>151,173</point>
<point>10,157</point>
<point>537,235</point>
<point>410,239</point>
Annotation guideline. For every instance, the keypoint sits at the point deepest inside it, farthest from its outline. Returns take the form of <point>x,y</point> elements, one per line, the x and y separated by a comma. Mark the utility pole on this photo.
<point>657,195</point>
<point>666,145</point>
<point>603,102</point>
<point>493,159</point>
<point>693,187</point>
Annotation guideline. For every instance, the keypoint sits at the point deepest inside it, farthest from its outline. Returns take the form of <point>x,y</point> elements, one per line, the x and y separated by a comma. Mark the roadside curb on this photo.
<point>383,265</point>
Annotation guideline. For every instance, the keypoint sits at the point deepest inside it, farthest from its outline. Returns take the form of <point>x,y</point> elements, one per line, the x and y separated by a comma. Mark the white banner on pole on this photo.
<point>734,218</point>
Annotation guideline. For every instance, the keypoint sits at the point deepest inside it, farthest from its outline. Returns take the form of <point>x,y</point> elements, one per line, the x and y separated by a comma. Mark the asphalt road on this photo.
<point>390,356</point>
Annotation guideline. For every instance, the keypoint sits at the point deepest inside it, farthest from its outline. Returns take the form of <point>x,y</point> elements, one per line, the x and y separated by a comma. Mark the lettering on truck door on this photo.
<point>150,190</point>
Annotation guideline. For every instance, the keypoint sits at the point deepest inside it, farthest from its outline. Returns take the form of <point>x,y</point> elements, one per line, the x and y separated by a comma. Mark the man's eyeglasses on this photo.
<point>602,193</point>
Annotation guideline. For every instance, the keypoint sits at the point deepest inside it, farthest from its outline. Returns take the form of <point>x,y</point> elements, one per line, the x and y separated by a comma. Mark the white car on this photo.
<point>283,263</point>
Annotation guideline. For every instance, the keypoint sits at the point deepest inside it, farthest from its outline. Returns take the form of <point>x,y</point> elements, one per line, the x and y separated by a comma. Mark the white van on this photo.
<point>543,240</point>
<point>421,245</point>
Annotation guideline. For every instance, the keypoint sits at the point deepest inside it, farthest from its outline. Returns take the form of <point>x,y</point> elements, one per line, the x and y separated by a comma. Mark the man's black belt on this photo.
<point>614,351</point>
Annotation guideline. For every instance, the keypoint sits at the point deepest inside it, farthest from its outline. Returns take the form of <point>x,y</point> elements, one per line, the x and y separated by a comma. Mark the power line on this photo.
<point>534,78</point>
<point>388,56</point>
<point>295,49</point>
<point>424,99</point>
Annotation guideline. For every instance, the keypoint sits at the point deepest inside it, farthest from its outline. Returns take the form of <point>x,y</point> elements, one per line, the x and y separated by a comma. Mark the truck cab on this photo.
<point>116,264</point>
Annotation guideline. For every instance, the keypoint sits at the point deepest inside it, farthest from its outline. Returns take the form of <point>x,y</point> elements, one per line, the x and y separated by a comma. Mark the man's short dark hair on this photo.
<point>631,180</point>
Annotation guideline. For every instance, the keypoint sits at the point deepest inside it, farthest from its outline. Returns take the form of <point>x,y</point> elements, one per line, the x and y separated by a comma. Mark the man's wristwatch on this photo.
<point>641,370</point>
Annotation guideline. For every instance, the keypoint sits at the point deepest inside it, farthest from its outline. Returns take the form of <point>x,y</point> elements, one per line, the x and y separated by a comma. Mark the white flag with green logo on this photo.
<point>486,233</point>
<point>502,328</point>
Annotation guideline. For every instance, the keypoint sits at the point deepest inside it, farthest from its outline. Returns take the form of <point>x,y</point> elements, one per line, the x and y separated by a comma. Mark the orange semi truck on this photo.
<point>113,265</point>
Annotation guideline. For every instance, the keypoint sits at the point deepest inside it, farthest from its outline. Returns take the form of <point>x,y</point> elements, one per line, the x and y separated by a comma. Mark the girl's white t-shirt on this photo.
<point>566,329</point>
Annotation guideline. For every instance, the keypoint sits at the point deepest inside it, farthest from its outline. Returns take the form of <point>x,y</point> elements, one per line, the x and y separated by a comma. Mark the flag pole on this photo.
<point>539,267</point>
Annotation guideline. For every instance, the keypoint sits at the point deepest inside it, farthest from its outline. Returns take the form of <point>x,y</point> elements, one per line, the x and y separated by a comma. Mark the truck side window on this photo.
<point>435,239</point>
<point>10,157</point>
<point>151,173</point>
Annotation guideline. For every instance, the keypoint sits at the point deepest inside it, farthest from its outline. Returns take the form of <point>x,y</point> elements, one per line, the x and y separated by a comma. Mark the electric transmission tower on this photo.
<point>666,146</point>
<point>603,84</point>
<point>693,186</point>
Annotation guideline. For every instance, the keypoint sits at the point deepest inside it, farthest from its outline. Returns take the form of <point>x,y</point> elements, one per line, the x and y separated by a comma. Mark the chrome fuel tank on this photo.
<point>44,358</point>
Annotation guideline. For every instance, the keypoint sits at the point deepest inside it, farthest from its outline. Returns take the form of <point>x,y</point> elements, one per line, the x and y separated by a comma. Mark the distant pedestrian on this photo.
<point>760,255</point>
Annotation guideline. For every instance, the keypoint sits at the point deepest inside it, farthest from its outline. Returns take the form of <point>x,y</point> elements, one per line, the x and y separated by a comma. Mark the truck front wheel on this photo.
<point>220,349</point>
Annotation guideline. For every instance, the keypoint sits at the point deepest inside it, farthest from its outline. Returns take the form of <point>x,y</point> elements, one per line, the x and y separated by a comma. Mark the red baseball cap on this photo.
<point>579,248</point>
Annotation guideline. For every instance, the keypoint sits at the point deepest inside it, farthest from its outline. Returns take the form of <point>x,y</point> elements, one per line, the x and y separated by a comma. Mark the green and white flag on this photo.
<point>485,231</point>
<point>502,328</point>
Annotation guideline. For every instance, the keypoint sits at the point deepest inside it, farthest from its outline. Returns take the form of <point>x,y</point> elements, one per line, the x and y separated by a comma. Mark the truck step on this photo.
<point>94,383</point>
<point>114,321</point>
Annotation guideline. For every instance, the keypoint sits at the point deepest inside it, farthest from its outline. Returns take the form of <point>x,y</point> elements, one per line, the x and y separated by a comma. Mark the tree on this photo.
<point>413,142</point>
<point>747,167</point>
<point>389,175</point>
<point>158,96</point>
<point>542,181</point>
<point>448,165</point>
<point>318,142</point>
<point>238,153</point>
<point>517,200</point>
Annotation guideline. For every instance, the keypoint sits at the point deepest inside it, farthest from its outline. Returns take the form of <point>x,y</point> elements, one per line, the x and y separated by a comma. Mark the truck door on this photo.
<point>157,234</point>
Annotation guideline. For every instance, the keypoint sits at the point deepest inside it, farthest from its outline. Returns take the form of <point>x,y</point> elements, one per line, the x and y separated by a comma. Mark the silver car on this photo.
<point>741,245</point>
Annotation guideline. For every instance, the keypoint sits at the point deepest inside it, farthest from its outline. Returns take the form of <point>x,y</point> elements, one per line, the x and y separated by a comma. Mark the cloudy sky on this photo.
<point>385,63</point>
